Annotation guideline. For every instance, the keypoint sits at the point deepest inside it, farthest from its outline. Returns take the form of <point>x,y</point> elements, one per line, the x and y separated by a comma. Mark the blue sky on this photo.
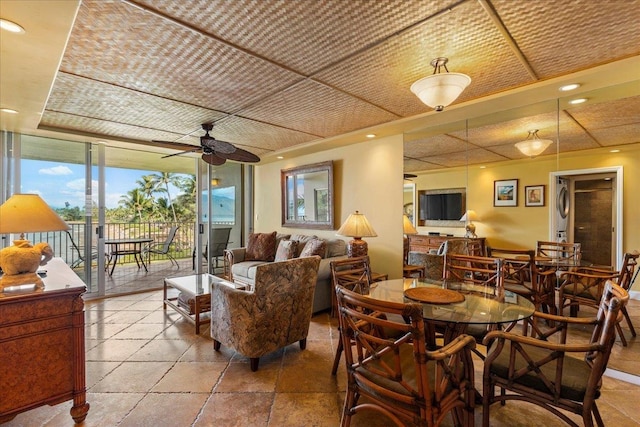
<point>58,183</point>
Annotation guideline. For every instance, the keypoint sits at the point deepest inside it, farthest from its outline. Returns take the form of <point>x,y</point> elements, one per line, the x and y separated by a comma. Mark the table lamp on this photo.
<point>26,213</point>
<point>407,229</point>
<point>470,216</point>
<point>357,226</point>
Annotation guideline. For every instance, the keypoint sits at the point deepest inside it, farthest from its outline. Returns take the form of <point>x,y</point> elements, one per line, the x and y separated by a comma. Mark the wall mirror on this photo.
<point>572,127</point>
<point>307,196</point>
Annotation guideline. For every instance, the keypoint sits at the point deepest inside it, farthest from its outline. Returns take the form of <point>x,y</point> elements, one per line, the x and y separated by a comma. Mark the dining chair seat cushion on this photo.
<point>580,290</point>
<point>518,288</point>
<point>408,375</point>
<point>575,372</point>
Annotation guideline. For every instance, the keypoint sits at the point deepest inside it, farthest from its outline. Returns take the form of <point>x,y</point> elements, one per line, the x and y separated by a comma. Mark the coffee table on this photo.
<point>195,296</point>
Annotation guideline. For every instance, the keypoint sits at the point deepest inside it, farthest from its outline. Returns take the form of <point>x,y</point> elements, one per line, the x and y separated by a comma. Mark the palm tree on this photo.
<point>187,197</point>
<point>147,187</point>
<point>161,185</point>
<point>136,201</point>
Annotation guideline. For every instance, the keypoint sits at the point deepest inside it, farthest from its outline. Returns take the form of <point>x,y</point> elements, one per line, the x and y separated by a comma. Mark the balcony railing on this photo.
<point>70,246</point>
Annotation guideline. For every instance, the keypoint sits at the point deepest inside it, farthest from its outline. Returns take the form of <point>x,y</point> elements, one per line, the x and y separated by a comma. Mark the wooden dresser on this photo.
<point>42,345</point>
<point>425,242</point>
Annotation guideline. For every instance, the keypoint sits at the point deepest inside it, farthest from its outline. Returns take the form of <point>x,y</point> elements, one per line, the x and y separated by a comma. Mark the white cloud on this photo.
<point>76,184</point>
<point>56,170</point>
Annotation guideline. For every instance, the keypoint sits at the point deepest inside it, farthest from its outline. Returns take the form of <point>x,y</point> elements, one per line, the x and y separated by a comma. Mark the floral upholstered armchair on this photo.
<point>276,312</point>
<point>434,262</point>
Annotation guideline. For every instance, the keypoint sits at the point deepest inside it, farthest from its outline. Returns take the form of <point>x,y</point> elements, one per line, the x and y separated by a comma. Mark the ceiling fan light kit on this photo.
<point>533,145</point>
<point>440,89</point>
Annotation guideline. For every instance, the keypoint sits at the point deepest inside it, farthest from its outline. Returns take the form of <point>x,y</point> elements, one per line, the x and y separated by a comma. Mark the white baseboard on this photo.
<point>634,294</point>
<point>622,376</point>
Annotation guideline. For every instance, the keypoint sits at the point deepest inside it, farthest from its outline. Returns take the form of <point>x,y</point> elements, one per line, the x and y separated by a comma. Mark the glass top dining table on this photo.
<point>482,305</point>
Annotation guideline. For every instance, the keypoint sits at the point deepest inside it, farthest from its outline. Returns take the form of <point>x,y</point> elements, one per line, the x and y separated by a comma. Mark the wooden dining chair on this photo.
<point>583,286</point>
<point>625,281</point>
<point>523,277</point>
<point>485,272</point>
<point>396,376</point>
<point>353,274</point>
<point>560,251</point>
<point>544,370</point>
<point>479,270</point>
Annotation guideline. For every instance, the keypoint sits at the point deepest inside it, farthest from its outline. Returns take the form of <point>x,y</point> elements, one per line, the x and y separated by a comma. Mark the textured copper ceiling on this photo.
<point>273,74</point>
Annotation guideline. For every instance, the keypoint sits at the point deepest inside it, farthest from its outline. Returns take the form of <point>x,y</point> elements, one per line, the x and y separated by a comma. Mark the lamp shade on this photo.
<point>28,213</point>
<point>407,226</point>
<point>356,225</point>
<point>439,90</point>
<point>533,145</point>
<point>470,215</point>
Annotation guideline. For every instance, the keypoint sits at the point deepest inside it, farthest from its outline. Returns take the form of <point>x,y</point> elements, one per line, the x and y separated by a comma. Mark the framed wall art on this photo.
<point>505,192</point>
<point>534,195</point>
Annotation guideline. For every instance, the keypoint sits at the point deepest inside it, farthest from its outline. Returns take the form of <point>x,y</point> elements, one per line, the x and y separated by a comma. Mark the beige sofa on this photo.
<point>241,270</point>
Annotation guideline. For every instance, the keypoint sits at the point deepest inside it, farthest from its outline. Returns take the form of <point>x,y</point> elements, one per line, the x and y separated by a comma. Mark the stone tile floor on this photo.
<point>146,367</point>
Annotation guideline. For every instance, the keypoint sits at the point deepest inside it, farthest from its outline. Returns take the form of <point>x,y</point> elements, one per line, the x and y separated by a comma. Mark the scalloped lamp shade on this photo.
<point>357,226</point>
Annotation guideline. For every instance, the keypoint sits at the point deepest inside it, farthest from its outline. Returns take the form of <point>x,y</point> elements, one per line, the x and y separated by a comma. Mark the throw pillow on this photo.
<point>286,250</point>
<point>302,241</point>
<point>261,247</point>
<point>314,247</point>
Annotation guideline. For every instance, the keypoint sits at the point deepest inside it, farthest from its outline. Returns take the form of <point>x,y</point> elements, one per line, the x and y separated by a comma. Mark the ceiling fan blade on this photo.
<point>240,155</point>
<point>212,159</point>
<point>181,152</point>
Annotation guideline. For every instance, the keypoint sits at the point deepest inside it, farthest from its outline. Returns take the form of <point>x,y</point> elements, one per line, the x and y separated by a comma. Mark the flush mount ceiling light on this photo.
<point>533,145</point>
<point>440,89</point>
<point>577,101</point>
<point>569,87</point>
<point>11,26</point>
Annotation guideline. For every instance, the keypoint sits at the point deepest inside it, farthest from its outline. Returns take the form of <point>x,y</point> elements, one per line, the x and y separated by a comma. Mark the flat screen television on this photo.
<point>442,206</point>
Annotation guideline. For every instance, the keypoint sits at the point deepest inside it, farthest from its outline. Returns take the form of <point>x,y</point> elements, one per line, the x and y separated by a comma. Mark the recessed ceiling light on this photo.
<point>483,167</point>
<point>11,26</point>
<point>371,135</point>
<point>614,151</point>
<point>577,101</point>
<point>280,157</point>
<point>9,110</point>
<point>569,87</point>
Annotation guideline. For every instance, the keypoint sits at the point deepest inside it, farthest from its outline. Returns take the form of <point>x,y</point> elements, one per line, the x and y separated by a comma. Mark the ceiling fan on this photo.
<point>214,151</point>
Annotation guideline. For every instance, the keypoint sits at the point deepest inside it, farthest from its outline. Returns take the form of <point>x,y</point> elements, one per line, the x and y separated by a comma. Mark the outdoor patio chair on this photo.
<point>162,248</point>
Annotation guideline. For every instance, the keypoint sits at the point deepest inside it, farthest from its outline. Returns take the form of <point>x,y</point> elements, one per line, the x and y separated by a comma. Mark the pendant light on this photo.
<point>533,145</point>
<point>440,89</point>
